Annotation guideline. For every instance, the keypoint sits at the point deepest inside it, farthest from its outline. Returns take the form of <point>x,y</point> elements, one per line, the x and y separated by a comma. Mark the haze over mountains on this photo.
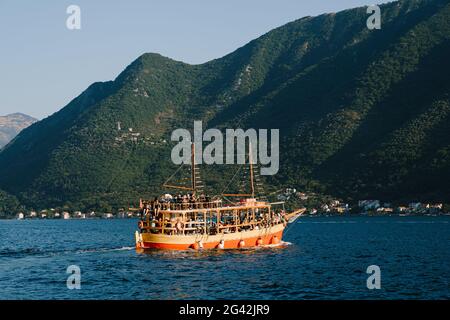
<point>361,113</point>
<point>11,125</point>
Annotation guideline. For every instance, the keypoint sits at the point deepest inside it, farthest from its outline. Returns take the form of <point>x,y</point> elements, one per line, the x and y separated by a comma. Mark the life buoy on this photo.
<point>275,240</point>
<point>259,242</point>
<point>197,245</point>
<point>141,224</point>
<point>136,237</point>
<point>221,245</point>
<point>241,244</point>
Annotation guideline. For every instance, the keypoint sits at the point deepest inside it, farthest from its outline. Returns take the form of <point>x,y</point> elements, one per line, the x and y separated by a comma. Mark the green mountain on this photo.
<point>362,113</point>
<point>8,204</point>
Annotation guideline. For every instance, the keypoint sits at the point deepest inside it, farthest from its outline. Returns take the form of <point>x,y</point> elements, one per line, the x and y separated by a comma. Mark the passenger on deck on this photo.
<point>185,202</point>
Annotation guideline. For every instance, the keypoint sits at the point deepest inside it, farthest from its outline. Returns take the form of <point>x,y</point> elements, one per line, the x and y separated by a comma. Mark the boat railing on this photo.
<point>202,227</point>
<point>187,205</point>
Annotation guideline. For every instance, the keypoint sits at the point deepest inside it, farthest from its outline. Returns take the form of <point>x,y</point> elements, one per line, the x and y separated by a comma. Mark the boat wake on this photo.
<point>28,252</point>
<point>282,244</point>
<point>278,245</point>
<point>17,253</point>
<point>328,222</point>
<point>104,250</point>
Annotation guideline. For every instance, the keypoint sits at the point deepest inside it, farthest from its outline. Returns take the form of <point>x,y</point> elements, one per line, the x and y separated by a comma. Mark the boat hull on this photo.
<point>236,240</point>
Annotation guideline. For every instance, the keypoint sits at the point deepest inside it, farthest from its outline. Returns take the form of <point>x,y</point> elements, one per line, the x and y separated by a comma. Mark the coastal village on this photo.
<point>316,205</point>
<point>327,205</point>
<point>66,215</point>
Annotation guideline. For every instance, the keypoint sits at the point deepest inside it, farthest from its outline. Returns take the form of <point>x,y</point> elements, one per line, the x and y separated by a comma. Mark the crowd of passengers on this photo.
<point>174,225</point>
<point>179,202</point>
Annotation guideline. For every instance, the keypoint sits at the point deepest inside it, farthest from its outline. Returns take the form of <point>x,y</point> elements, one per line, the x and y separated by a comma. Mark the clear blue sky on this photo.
<point>43,65</point>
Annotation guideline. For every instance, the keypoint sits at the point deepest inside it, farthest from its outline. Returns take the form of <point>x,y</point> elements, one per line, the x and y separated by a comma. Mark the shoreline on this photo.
<point>303,216</point>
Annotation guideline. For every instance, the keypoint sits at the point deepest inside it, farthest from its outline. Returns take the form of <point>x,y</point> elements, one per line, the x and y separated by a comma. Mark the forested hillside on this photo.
<point>362,114</point>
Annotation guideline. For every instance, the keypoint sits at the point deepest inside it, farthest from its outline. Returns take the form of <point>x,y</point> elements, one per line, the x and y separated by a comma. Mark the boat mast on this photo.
<point>193,186</point>
<point>193,168</point>
<point>250,159</point>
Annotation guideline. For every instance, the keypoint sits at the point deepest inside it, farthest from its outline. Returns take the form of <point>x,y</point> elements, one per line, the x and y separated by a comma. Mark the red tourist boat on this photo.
<point>193,221</point>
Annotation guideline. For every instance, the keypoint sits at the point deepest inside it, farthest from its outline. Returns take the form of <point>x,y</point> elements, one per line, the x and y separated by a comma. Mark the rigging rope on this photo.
<point>234,176</point>
<point>174,174</point>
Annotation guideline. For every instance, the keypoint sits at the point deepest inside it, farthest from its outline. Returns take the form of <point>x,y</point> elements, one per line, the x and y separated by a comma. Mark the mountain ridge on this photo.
<point>325,81</point>
<point>12,124</point>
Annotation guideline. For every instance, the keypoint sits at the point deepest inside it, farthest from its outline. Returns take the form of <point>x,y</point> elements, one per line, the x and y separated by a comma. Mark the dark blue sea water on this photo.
<point>327,259</point>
